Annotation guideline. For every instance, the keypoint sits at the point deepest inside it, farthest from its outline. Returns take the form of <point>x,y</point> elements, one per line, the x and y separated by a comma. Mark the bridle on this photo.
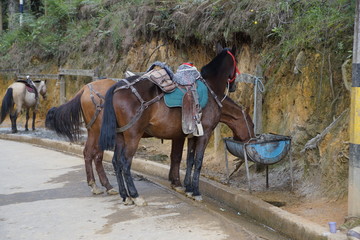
<point>232,79</point>
<point>236,70</point>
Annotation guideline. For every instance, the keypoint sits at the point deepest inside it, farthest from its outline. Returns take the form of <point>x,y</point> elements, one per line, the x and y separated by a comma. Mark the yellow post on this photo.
<point>354,160</point>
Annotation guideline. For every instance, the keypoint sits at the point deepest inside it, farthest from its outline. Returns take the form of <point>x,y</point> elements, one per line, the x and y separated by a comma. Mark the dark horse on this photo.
<point>234,116</point>
<point>66,120</point>
<point>125,100</point>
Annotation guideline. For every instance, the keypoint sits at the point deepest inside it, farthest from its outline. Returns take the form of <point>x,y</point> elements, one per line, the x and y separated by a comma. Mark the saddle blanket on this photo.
<point>174,99</point>
<point>30,89</point>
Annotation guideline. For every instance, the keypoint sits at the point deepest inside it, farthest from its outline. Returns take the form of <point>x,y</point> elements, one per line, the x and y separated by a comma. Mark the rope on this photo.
<point>257,81</point>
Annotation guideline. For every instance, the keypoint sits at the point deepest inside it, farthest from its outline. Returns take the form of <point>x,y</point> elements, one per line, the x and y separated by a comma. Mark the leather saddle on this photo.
<point>29,87</point>
<point>185,80</point>
<point>187,75</point>
<point>191,112</point>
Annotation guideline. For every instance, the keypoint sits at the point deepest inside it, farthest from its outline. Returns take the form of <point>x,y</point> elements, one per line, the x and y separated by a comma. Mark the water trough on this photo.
<point>265,149</point>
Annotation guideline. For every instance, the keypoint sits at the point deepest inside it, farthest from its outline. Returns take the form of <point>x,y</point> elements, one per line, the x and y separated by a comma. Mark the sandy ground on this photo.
<point>279,193</point>
<point>316,209</point>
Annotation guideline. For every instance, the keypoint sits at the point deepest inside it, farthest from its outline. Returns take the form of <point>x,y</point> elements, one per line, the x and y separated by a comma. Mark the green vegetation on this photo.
<point>315,25</point>
<point>287,25</point>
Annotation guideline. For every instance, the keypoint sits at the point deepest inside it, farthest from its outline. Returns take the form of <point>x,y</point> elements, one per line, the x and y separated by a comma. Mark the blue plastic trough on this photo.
<point>265,149</point>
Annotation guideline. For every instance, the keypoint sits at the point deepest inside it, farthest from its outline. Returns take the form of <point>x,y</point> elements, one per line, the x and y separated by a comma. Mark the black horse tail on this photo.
<point>7,104</point>
<point>108,126</point>
<point>66,119</point>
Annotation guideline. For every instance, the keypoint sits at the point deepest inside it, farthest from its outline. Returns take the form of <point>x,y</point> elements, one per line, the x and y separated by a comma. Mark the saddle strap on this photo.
<point>212,93</point>
<point>144,105</point>
<point>199,129</point>
<point>128,84</point>
<point>99,106</point>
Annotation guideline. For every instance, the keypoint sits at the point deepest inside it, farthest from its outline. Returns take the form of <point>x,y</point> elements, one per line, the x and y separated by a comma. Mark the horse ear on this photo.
<point>219,48</point>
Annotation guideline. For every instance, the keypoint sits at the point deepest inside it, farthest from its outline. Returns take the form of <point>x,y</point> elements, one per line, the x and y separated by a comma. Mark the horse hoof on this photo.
<point>112,192</point>
<point>139,201</point>
<point>189,194</point>
<point>198,198</point>
<point>178,189</point>
<point>128,201</point>
<point>96,191</point>
<point>14,131</point>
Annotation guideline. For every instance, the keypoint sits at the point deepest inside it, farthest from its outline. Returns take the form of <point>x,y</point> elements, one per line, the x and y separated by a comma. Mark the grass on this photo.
<point>288,25</point>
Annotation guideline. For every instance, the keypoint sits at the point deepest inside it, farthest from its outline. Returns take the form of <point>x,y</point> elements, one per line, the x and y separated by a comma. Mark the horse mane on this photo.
<point>211,68</point>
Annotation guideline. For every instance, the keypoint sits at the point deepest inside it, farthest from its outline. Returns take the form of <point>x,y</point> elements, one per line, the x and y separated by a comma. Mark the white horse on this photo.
<point>20,95</point>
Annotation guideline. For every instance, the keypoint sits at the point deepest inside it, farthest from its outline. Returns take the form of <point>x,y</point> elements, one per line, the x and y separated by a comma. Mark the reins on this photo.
<point>247,123</point>
<point>212,93</point>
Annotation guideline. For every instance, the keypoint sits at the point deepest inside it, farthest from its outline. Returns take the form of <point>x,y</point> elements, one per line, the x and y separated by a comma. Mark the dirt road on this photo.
<point>44,195</point>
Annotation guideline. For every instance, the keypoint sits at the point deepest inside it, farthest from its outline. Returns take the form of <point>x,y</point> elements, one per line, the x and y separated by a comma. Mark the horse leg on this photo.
<point>177,147</point>
<point>119,176</point>
<point>33,120</point>
<point>199,156</point>
<point>13,117</point>
<point>126,155</point>
<point>101,172</point>
<point>189,165</point>
<point>27,119</point>
<point>88,157</point>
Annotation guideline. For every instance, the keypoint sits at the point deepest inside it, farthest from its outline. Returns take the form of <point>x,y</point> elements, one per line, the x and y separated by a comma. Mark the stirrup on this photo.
<point>199,130</point>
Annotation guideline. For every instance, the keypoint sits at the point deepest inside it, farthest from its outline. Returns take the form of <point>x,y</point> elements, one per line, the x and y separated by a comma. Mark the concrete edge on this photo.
<point>282,221</point>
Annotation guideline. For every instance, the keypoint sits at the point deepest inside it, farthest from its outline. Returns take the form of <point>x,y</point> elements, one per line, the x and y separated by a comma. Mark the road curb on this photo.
<point>282,221</point>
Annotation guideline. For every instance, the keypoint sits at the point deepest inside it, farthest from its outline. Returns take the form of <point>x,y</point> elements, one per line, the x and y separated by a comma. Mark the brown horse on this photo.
<point>140,104</point>
<point>19,96</point>
<point>66,120</point>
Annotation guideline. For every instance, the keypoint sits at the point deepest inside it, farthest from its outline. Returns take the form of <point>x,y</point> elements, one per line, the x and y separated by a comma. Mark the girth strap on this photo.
<point>99,106</point>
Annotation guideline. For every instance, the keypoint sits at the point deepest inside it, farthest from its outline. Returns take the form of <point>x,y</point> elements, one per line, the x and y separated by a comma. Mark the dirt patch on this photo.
<point>280,193</point>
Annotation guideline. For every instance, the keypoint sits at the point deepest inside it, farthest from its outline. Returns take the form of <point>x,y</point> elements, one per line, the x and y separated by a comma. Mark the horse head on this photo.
<point>222,68</point>
<point>238,120</point>
<point>42,89</point>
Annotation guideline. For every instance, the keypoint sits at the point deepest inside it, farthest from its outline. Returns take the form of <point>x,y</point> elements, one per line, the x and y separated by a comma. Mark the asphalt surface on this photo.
<point>44,195</point>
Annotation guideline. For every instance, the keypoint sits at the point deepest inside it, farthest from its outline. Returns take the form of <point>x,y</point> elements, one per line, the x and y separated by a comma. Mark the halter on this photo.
<point>188,64</point>
<point>236,70</point>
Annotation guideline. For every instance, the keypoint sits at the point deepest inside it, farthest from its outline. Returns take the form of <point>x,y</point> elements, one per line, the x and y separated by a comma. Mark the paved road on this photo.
<point>44,195</point>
